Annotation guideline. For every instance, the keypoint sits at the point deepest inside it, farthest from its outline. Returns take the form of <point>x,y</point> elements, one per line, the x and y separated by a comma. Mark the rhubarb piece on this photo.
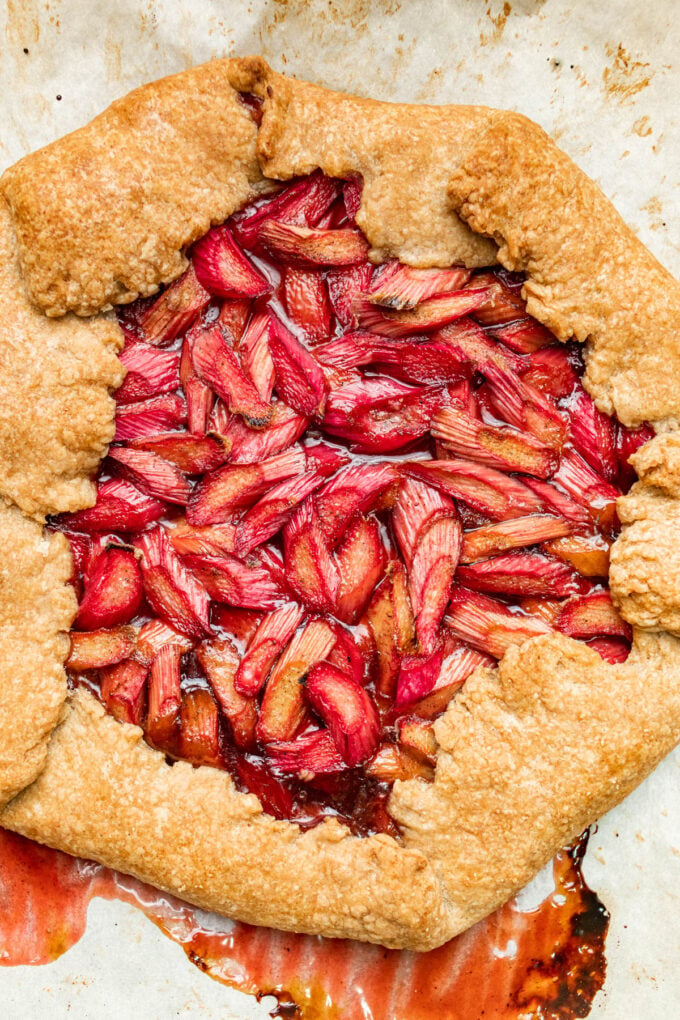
<point>356,490</point>
<point>312,753</point>
<point>272,511</point>
<point>490,492</point>
<point>416,735</point>
<point>628,441</point>
<point>593,435</point>
<point>459,662</point>
<point>558,502</point>
<point>418,675</point>
<point>112,590</point>
<point>173,311</point>
<point>164,698</point>
<point>499,447</point>
<point>402,287</point>
<point>588,488</point>
<point>307,303</point>
<point>152,474</point>
<point>360,560</point>
<point>513,534</point>
<point>310,246</point>
<point>216,363</point>
<point>344,285</point>
<point>346,709</point>
<point>150,372</point>
<point>219,661</point>
<point>192,454</point>
<point>415,360</point>
<point>426,317</point>
<point>518,403</point>
<point>227,579</point>
<point>207,541</point>
<point>488,625</point>
<point>234,315</point>
<point>274,795</point>
<point>502,304</point>
<point>123,690</point>
<point>524,335</point>
<point>239,623</point>
<point>324,458</point>
<point>392,762</point>
<point>96,648</point>
<point>551,371</point>
<point>589,554</point>
<point>611,649</point>
<point>200,401</point>
<point>469,343</point>
<point>199,728</point>
<point>521,574</point>
<point>154,635</point>
<point>390,619</point>
<point>310,568</point>
<point>429,532</point>
<point>299,379</point>
<point>302,202</point>
<point>250,446</point>
<point>255,357</point>
<point>592,615</point>
<point>545,609</point>
<point>352,189</point>
<point>219,493</point>
<point>149,417</point>
<point>265,646</point>
<point>283,705</point>
<point>223,269</point>
<point>170,589</point>
<point>346,655</point>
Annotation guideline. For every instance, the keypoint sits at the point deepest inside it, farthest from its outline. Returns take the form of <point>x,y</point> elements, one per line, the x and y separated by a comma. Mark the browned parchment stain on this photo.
<point>498,20</point>
<point>625,77</point>
<point>351,12</point>
<point>23,23</point>
<point>642,127</point>
<point>654,209</point>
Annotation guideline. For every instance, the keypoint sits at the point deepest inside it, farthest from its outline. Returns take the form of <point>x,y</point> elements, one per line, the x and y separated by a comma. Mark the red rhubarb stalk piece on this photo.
<point>490,492</point>
<point>521,574</point>
<point>123,690</point>
<point>274,795</point>
<point>551,371</point>
<point>192,454</point>
<point>611,649</point>
<point>525,336</point>
<point>173,311</point>
<point>240,624</point>
<point>352,189</point>
<point>502,304</point>
<point>96,648</point>
<point>234,315</point>
<point>149,417</point>
<point>154,635</point>
<point>401,287</point>
<point>220,493</point>
<point>227,579</point>
<point>219,661</point>
<point>283,705</point>
<point>518,403</point>
<point>513,534</point>
<point>307,303</point>
<point>429,532</point>
<point>312,246</point>
<point>152,474</point>
<point>208,541</point>
<point>255,357</point>
<point>360,560</point>
<point>200,400</point>
<point>223,269</point>
<point>299,379</point>
<point>417,676</point>
<point>347,656</point>
<point>469,343</point>
<point>431,314</point>
<point>310,568</point>
<point>164,698</point>
<point>272,511</point>
<point>313,752</point>
<point>628,442</point>
<point>589,554</point>
<point>593,435</point>
<point>250,446</point>
<point>170,589</point>
<point>199,728</point>
<point>347,710</point>
<point>150,372</point>
<point>588,488</point>
<point>355,490</point>
<point>392,762</point>
<point>344,285</point>
<point>417,736</point>
<point>112,590</point>
<point>303,202</point>
<point>217,364</point>
<point>557,502</point>
<point>390,619</point>
<point>592,615</point>
<point>499,447</point>
<point>459,662</point>
<point>488,625</point>
<point>265,646</point>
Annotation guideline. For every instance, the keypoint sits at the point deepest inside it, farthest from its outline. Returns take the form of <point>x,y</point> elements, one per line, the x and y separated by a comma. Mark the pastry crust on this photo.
<point>529,753</point>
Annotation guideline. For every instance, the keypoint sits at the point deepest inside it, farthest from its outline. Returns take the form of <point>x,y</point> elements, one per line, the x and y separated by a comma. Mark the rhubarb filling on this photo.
<point>335,490</point>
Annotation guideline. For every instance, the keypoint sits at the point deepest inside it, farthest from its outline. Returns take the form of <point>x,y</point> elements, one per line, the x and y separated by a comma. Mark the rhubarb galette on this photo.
<point>369,619</point>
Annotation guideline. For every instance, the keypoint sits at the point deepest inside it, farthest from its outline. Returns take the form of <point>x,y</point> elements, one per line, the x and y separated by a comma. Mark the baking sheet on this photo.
<point>603,80</point>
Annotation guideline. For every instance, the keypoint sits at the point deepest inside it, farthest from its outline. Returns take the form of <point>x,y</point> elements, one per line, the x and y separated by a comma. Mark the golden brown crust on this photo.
<point>37,606</point>
<point>104,214</point>
<point>56,415</point>
<point>588,276</point>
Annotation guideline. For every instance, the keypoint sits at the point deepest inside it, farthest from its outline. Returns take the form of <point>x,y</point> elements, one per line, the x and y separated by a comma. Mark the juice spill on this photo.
<point>546,963</point>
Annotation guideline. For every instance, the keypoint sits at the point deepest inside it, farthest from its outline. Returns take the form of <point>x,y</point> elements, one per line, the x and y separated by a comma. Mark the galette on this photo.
<point>340,527</point>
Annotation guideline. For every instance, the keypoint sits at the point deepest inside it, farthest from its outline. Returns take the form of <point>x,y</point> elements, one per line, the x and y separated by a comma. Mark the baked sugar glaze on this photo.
<point>336,489</point>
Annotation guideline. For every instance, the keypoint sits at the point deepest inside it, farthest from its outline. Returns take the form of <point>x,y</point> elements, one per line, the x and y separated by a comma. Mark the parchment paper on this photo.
<point>603,79</point>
